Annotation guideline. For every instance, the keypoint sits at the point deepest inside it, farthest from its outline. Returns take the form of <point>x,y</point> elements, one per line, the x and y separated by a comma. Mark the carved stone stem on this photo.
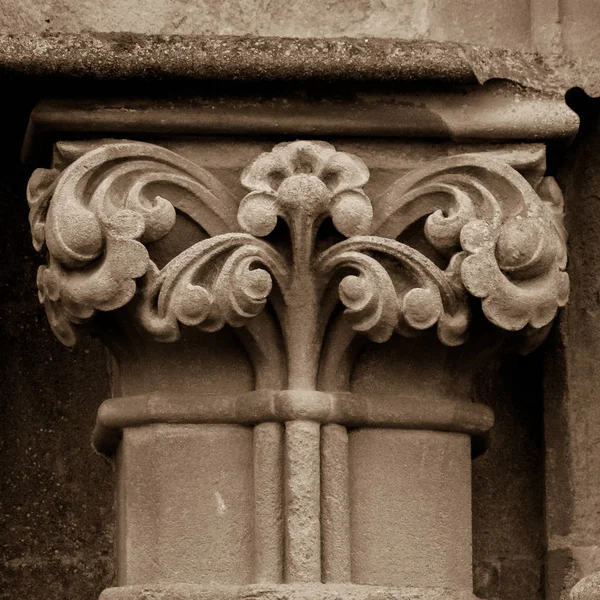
<point>302,499</point>
<point>335,504</point>
<point>268,503</point>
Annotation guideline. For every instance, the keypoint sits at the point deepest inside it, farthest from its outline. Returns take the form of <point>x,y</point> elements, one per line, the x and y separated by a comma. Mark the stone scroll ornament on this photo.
<point>494,242</point>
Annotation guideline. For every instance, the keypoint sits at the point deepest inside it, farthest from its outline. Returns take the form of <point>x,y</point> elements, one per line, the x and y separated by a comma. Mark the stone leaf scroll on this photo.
<point>495,241</point>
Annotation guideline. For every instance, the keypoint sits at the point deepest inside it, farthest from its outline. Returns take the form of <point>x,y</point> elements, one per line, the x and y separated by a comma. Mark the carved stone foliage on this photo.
<point>492,240</point>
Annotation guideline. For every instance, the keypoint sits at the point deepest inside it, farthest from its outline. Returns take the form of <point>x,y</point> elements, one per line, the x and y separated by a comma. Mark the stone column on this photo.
<point>273,436</point>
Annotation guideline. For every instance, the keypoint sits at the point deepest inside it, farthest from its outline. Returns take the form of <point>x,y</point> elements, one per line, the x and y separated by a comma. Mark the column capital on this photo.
<point>486,235</point>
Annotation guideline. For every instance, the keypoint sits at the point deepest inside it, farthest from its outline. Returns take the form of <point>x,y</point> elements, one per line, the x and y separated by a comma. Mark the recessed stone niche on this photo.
<point>297,297</point>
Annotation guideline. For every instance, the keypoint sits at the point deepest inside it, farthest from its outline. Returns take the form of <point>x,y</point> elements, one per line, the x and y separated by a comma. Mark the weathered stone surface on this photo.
<point>400,18</point>
<point>579,26</point>
<point>286,592</point>
<point>413,479</point>
<point>490,226</point>
<point>466,113</point>
<point>544,25</point>
<point>119,56</point>
<point>500,24</point>
<point>127,56</point>
<point>511,256</point>
<point>587,589</point>
<point>184,507</point>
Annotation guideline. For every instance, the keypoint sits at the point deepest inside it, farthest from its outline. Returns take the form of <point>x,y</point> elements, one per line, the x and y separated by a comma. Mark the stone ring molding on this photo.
<point>494,240</point>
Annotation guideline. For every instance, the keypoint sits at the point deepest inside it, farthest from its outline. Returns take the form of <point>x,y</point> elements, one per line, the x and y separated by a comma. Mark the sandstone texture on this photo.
<point>537,25</point>
<point>57,500</point>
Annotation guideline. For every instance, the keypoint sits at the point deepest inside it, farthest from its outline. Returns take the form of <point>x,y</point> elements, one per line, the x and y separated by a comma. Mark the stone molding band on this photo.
<point>262,406</point>
<point>183,591</point>
<point>490,112</point>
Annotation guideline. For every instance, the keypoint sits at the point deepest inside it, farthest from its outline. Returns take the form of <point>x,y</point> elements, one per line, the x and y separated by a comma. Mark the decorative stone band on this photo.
<point>183,591</point>
<point>481,112</point>
<point>263,406</point>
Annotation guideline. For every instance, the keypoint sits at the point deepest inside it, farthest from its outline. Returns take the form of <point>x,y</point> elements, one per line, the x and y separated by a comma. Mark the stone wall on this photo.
<point>56,495</point>
<point>548,26</point>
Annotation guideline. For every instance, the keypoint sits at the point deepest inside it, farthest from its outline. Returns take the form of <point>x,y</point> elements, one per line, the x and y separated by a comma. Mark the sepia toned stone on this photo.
<point>299,284</point>
<point>184,505</point>
<point>587,589</point>
<point>319,442</point>
<point>535,25</point>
